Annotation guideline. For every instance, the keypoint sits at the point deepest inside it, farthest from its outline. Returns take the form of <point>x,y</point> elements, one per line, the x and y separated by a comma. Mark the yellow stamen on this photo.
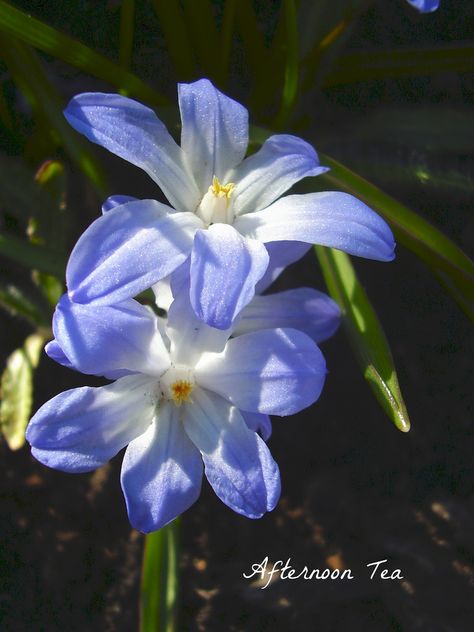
<point>181,391</point>
<point>221,190</point>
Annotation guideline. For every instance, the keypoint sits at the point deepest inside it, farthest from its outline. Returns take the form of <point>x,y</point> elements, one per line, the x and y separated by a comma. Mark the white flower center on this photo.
<point>177,383</point>
<point>216,205</point>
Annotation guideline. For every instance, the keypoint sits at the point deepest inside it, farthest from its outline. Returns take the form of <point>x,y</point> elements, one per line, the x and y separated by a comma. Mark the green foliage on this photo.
<point>415,233</point>
<point>365,333</point>
<point>16,387</point>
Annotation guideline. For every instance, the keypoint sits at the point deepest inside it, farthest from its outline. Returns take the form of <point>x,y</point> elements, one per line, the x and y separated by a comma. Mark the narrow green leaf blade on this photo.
<point>411,230</point>
<point>380,64</point>
<point>49,40</point>
<point>127,29</point>
<point>176,36</point>
<point>15,303</point>
<point>17,390</point>
<point>365,333</point>
<point>32,256</point>
<point>290,86</point>
<point>28,73</point>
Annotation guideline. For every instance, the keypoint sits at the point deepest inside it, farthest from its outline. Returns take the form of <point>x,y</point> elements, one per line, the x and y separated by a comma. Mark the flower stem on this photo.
<point>159,583</point>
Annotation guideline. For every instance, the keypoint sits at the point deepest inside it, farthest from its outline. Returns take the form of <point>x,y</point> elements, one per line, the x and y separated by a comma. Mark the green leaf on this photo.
<point>227,30</point>
<point>47,39</point>
<point>20,195</point>
<point>176,36</point>
<point>51,287</point>
<point>159,584</point>
<point>32,256</point>
<point>202,30</point>
<point>365,333</point>
<point>290,86</point>
<point>15,303</point>
<point>17,390</point>
<point>28,73</point>
<point>411,230</point>
<point>380,64</point>
<point>127,16</point>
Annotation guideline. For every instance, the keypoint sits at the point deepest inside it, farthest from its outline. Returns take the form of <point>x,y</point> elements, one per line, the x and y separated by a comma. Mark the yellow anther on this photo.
<point>221,190</point>
<point>181,391</point>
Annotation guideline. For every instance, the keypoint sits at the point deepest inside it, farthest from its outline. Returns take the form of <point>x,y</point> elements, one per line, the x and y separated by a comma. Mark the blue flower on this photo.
<point>424,6</point>
<point>186,398</point>
<point>224,208</point>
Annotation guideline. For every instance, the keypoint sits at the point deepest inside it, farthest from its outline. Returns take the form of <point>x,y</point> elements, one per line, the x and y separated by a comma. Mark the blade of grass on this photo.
<point>411,230</point>
<point>127,16</point>
<point>15,303</point>
<point>28,73</point>
<point>32,256</point>
<point>324,49</point>
<point>49,40</point>
<point>176,37</point>
<point>257,55</point>
<point>202,29</point>
<point>380,64</point>
<point>159,584</point>
<point>226,38</point>
<point>365,333</point>
<point>290,86</point>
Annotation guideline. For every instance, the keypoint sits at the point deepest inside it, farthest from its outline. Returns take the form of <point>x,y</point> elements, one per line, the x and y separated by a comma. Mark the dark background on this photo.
<point>355,490</point>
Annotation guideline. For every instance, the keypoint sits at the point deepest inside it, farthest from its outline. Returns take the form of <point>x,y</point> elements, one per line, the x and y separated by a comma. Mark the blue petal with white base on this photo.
<point>225,267</point>
<point>127,250</point>
<point>305,309</point>
<point>237,462</point>
<point>134,132</point>
<point>330,219</point>
<point>83,428</point>
<point>274,371</point>
<point>214,133</point>
<point>161,472</point>
<point>127,330</point>
<point>282,161</point>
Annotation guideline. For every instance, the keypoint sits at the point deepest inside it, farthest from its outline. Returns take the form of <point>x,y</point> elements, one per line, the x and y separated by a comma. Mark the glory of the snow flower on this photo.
<point>184,400</point>
<point>225,208</point>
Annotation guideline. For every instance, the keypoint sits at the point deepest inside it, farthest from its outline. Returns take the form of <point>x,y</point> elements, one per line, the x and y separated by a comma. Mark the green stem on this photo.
<point>159,585</point>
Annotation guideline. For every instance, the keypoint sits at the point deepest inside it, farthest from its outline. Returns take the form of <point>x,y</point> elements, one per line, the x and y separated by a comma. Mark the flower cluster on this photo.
<point>192,392</point>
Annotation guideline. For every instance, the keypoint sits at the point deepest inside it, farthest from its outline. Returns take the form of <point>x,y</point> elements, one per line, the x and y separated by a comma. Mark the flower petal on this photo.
<point>134,132</point>
<point>273,371</point>
<point>214,133</point>
<point>331,219</point>
<point>282,254</point>
<point>98,339</point>
<point>305,309</point>
<point>225,268</point>
<point>425,6</point>
<point>263,177</point>
<point>189,336</point>
<point>161,472</point>
<point>127,250</point>
<point>116,200</point>
<point>258,423</point>
<point>53,350</point>
<point>237,462</point>
<point>83,428</point>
